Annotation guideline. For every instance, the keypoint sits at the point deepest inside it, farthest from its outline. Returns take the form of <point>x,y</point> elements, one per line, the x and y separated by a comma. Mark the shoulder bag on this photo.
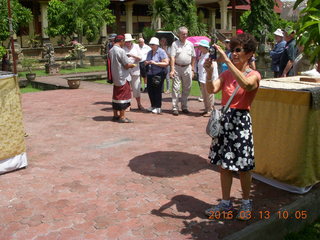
<point>214,126</point>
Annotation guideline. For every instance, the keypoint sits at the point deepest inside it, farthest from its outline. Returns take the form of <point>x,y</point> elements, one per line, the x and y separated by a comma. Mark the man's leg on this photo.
<point>186,87</point>
<point>175,91</point>
<point>122,114</point>
<point>136,85</point>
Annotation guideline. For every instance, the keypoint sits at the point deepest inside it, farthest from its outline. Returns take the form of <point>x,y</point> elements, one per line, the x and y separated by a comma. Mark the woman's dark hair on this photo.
<point>246,40</point>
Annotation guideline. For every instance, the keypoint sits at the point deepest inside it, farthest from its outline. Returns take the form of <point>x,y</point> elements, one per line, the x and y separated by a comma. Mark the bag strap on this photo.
<point>226,107</point>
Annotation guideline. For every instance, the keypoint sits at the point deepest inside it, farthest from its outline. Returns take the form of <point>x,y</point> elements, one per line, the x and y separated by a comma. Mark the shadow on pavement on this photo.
<point>103,102</point>
<point>191,210</point>
<point>102,118</point>
<point>168,164</point>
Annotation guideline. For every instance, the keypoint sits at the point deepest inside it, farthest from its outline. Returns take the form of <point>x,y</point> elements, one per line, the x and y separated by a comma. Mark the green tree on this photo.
<point>278,22</point>
<point>261,20</point>
<point>21,16</point>
<point>308,29</point>
<point>159,12</point>
<point>81,17</point>
<point>177,13</point>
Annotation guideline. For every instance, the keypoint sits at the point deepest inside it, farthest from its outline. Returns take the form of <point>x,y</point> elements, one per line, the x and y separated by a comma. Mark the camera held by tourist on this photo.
<point>233,149</point>
<point>144,49</point>
<point>156,64</point>
<point>133,52</point>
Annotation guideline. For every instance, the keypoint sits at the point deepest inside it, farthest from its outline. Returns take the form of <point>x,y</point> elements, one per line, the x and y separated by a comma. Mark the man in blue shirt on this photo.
<point>276,52</point>
<point>289,53</point>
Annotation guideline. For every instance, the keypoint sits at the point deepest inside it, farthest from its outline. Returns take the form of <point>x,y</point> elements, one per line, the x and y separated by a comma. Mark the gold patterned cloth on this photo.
<point>11,125</point>
<point>286,133</point>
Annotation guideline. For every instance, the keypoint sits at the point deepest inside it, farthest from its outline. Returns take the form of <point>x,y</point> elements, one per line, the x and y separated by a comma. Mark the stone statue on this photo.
<point>48,54</point>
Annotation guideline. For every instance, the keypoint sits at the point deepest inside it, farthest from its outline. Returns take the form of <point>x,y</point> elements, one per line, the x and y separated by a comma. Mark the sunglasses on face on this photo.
<point>236,50</point>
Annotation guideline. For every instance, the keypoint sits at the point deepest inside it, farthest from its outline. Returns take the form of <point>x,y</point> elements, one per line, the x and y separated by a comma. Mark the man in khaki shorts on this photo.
<point>182,70</point>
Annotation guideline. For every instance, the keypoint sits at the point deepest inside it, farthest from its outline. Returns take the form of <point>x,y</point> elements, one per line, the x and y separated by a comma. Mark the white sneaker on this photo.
<point>156,111</point>
<point>200,99</point>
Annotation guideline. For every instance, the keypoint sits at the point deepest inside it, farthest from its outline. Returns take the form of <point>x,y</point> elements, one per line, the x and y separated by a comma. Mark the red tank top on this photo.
<point>243,98</point>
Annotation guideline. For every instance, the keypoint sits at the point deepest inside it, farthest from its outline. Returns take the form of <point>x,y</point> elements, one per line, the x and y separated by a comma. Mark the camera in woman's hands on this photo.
<point>213,53</point>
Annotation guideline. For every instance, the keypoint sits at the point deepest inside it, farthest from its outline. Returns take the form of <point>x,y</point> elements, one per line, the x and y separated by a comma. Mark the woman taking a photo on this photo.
<point>156,63</point>
<point>233,149</point>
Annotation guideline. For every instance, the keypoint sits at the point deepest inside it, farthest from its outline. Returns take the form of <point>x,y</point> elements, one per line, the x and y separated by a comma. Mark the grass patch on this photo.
<point>310,232</point>
<point>41,73</point>
<point>29,89</point>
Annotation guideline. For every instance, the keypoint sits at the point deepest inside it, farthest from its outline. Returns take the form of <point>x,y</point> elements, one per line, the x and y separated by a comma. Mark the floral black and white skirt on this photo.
<point>233,149</point>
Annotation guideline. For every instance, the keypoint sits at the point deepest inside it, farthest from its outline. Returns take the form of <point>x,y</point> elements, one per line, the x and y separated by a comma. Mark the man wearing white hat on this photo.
<point>134,55</point>
<point>276,52</point>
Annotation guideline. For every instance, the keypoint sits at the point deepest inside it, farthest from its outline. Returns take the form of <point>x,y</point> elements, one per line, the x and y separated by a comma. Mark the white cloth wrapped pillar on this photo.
<point>129,22</point>
<point>44,19</point>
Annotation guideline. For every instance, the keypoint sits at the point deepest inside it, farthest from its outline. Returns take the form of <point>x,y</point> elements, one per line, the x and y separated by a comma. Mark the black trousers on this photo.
<point>155,91</point>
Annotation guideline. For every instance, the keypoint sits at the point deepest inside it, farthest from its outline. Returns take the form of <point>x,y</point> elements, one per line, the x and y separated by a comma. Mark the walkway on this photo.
<point>91,178</point>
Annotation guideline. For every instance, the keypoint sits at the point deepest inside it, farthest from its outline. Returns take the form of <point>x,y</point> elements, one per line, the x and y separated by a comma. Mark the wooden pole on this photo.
<point>11,39</point>
<point>234,20</point>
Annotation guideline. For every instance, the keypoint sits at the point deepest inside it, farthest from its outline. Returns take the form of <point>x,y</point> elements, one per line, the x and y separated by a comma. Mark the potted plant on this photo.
<point>28,63</point>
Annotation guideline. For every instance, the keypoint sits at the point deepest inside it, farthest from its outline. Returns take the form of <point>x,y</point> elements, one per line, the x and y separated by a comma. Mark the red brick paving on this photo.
<point>91,178</point>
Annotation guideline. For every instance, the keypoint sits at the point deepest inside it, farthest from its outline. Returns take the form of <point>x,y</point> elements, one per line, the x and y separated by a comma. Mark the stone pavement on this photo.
<point>91,178</point>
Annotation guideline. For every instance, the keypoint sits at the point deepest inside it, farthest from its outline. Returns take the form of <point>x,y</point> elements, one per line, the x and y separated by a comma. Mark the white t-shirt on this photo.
<point>144,52</point>
<point>183,53</point>
<point>135,51</point>
<point>202,73</point>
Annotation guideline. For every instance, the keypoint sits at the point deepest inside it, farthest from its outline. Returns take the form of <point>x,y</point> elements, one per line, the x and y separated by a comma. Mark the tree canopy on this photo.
<point>81,17</point>
<point>21,16</point>
<point>308,29</point>
<point>177,13</point>
<point>261,20</point>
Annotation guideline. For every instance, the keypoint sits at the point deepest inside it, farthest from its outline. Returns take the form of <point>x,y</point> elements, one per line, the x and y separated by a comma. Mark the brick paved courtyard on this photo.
<point>91,178</point>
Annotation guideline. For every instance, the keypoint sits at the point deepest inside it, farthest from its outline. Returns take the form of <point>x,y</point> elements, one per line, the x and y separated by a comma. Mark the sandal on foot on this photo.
<point>125,120</point>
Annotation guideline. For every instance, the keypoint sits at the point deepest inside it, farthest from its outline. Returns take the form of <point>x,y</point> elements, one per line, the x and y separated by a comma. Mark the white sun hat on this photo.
<point>278,32</point>
<point>128,37</point>
<point>154,41</point>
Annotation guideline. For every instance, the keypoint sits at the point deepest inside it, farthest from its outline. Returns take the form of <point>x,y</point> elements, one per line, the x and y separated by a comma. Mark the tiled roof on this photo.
<point>277,9</point>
